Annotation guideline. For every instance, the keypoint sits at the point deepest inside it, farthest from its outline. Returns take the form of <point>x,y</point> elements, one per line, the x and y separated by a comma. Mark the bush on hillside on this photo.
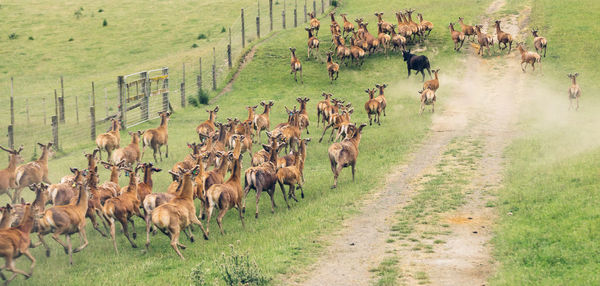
<point>239,269</point>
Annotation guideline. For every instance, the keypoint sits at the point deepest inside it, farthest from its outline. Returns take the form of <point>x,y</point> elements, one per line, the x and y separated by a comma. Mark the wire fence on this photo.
<point>72,117</point>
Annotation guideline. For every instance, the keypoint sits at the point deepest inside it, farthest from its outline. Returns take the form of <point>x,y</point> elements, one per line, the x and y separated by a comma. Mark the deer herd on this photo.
<point>61,209</point>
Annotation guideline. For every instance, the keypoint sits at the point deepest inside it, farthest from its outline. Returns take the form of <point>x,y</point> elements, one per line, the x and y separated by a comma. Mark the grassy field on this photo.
<point>548,233</point>
<point>288,240</point>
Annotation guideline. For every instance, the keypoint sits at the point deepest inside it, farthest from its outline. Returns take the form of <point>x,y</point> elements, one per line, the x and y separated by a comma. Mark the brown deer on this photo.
<point>110,140</point>
<point>112,185</point>
<point>262,156</point>
<point>293,175</point>
<point>383,38</point>
<point>385,26</point>
<point>457,37</point>
<point>313,44</point>
<point>296,66</point>
<point>261,121</point>
<point>291,132</point>
<point>426,25</point>
<point>33,172</point>
<point>357,53</point>
<point>63,193</point>
<point>468,30</point>
<point>398,41</point>
<point>314,23</point>
<point>403,29</point>
<point>503,37</point>
<point>304,121</point>
<point>574,91</point>
<point>381,97</point>
<point>208,126</point>
<point>179,213</point>
<point>335,27</point>
<point>217,175</point>
<point>251,115</point>
<point>130,154</point>
<point>15,242</point>
<point>372,41</point>
<point>341,51</point>
<point>122,208</point>
<point>68,220</point>
<point>227,195</point>
<point>6,219</point>
<point>92,161</point>
<point>539,42</point>
<point>145,187</point>
<point>94,202</point>
<point>432,84</point>
<point>345,153</point>
<point>157,137</point>
<point>528,57</point>
<point>483,39</point>
<point>322,105</point>
<point>7,175</point>
<point>427,98</point>
<point>290,159</point>
<point>416,29</point>
<point>373,107</point>
<point>348,26</point>
<point>338,121</point>
<point>332,69</point>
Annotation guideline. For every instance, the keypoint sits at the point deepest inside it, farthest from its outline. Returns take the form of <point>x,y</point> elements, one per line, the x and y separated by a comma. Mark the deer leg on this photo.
<point>331,135</point>
<point>301,77</point>
<point>292,192</point>
<point>16,196</point>
<point>147,220</point>
<point>258,193</point>
<point>95,224</point>
<point>301,191</point>
<point>324,130</point>
<point>126,232</point>
<point>10,266</point>
<point>188,232</point>
<point>175,241</point>
<point>241,216</point>
<point>111,222</point>
<point>209,212</point>
<point>222,213</point>
<point>56,237</point>
<point>43,242</point>
<point>271,193</point>
<point>100,217</point>
<point>134,233</point>
<point>84,240</point>
<point>32,259</point>
<point>196,221</point>
<point>69,249</point>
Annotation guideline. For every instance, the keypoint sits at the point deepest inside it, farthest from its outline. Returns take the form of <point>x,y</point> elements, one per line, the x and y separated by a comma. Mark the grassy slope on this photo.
<point>283,242</point>
<point>551,183</point>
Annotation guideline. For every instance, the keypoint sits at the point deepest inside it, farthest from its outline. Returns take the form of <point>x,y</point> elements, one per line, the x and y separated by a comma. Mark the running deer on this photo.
<point>261,155</point>
<point>528,57</point>
<point>574,91</point>
<point>483,39</point>
<point>381,97</point>
<point>290,159</point>
<point>313,44</point>
<point>112,185</point>
<point>296,65</point>
<point>322,105</point>
<point>92,161</point>
<point>385,26</point>
<point>416,29</point>
<point>403,28</point>
<point>251,115</point>
<point>95,203</point>
<point>338,121</point>
<point>33,172</point>
<point>110,140</point>
<point>345,153</point>
<point>383,38</point>
<point>432,84</point>
<point>335,27</point>
<point>157,137</point>
<point>457,37</point>
<point>63,193</point>
<point>293,175</point>
<point>227,195</point>
<point>357,52</point>
<point>372,107</point>
<point>348,26</point>
<point>426,25</point>
<point>332,69</point>
<point>398,41</point>
<point>372,42</point>
<point>14,242</point>
<point>6,219</point>
<point>341,51</point>
<point>314,23</point>
<point>179,213</point>
<point>261,121</point>
<point>68,220</point>
<point>503,37</point>
<point>539,42</point>
<point>467,30</point>
<point>131,153</point>
<point>303,118</point>
<point>122,208</point>
<point>207,127</point>
<point>8,175</point>
<point>427,98</point>
<point>217,175</point>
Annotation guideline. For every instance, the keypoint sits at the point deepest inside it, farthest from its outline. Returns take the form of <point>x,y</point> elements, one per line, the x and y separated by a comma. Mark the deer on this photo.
<point>426,25</point>
<point>416,63</point>
<point>332,69</point>
<point>111,187</point>
<point>178,214</point>
<point>341,51</point>
<point>62,193</point>
<point>357,53</point>
<point>338,121</point>
<point>110,140</point>
<point>348,26</point>
<point>372,107</point>
<point>528,57</point>
<point>313,43</point>
<point>483,39</point>
<point>291,132</point>
<point>381,97</point>
<point>403,28</point>
<point>503,37</point>
<point>251,115</point>
<point>145,187</point>
<point>414,26</point>
<point>383,38</point>
<point>539,42</point>
<point>261,121</point>
<point>247,141</point>
<point>227,195</point>
<point>97,197</point>
<point>385,26</point>
<point>344,154</point>
<point>131,153</point>
<point>262,156</point>
<point>33,172</point>
<point>157,137</point>
<point>322,105</point>
<point>217,175</point>
<point>335,27</point>
<point>8,175</point>
<point>68,220</point>
<point>574,91</point>
<point>303,118</point>
<point>290,159</point>
<point>468,30</point>
<point>6,220</point>
<point>432,84</point>
<point>398,41</point>
<point>293,175</point>
<point>92,161</point>
<point>208,126</point>
<point>427,98</point>
<point>296,65</point>
<point>14,242</point>
<point>314,23</point>
<point>372,42</point>
<point>122,208</point>
<point>457,37</point>
<point>264,177</point>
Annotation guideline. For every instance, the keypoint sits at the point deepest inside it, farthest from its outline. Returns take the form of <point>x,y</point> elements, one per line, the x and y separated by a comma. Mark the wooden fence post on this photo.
<point>12,104</point>
<point>77,108</point>
<point>271,14</point>
<point>243,31</point>
<point>199,78</point>
<point>145,107</point>
<point>322,6</point>
<point>214,71</point>
<point>55,103</point>
<point>11,137</point>
<point>315,8</point>
<point>55,132</point>
<point>182,88</point>
<point>295,13</point>
<point>283,18</point>
<point>258,27</point>
<point>165,95</point>
<point>229,63</point>
<point>93,123</point>
<point>61,109</point>
<point>122,101</point>
<point>93,95</point>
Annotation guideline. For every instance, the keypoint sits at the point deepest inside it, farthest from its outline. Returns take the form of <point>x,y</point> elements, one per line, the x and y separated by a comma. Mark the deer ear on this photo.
<point>384,85</point>
<point>216,109</point>
<point>576,74</point>
<point>73,170</point>
<point>41,145</point>
<point>366,90</point>
<point>156,170</point>
<point>377,85</point>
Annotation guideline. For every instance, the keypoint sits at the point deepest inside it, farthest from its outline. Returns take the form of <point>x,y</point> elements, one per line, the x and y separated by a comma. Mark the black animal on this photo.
<point>417,63</point>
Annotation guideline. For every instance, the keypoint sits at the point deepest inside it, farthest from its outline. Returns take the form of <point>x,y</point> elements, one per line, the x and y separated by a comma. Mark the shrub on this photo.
<point>71,39</point>
<point>201,37</point>
<point>334,3</point>
<point>13,36</point>
<point>202,97</point>
<point>223,30</point>
<point>193,101</point>
<point>194,46</point>
<point>239,269</point>
<point>198,274</point>
<point>100,10</point>
<point>30,38</point>
<point>78,13</point>
<point>104,23</point>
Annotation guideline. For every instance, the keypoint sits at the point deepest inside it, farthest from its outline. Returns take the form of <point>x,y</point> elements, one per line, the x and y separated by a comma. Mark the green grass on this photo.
<point>387,272</point>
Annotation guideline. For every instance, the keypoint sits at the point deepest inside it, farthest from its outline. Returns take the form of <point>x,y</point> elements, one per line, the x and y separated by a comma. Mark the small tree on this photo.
<point>239,269</point>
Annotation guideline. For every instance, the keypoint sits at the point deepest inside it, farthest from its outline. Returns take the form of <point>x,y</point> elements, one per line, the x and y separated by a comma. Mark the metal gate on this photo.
<point>142,96</point>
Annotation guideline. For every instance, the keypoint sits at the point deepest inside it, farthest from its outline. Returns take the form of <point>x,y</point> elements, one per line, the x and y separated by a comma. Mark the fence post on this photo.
<point>271,14</point>
<point>61,109</point>
<point>11,137</point>
<point>295,14</point>
<point>93,95</point>
<point>229,56</point>
<point>322,6</point>
<point>165,95</point>
<point>93,123</point>
<point>122,101</point>
<point>55,132</point>
<point>55,103</point>
<point>258,27</point>
<point>77,108</point>
<point>145,107</point>
<point>12,105</point>
<point>315,8</point>
<point>283,18</point>
<point>199,78</point>
<point>214,71</point>
<point>243,31</point>
<point>183,88</point>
